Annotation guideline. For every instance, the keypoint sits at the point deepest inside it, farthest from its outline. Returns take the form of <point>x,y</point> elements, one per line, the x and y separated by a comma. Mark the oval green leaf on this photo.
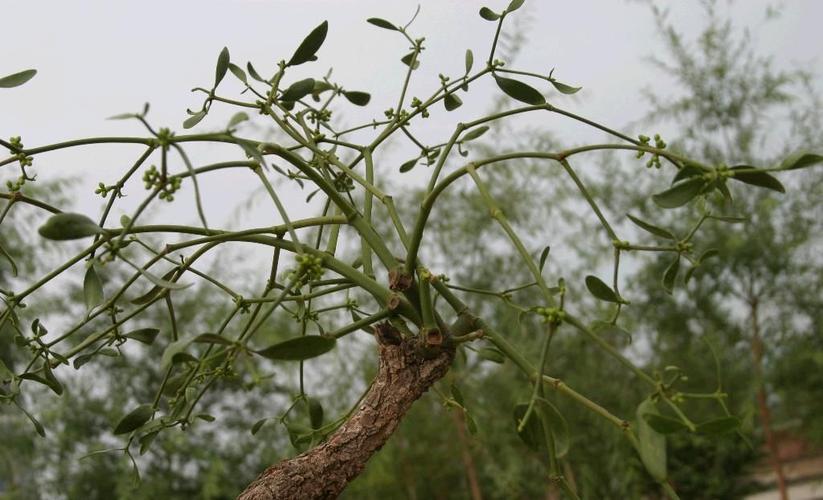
<point>759,179</point>
<point>310,45</point>
<point>238,72</point>
<point>664,425</point>
<point>565,89</point>
<point>92,289</point>
<point>408,165</point>
<point>17,79</point>
<point>520,91</point>
<point>491,354</point>
<point>194,119</point>
<point>469,60</point>
<point>408,58</point>
<point>144,335</point>
<point>720,425</point>
<point>679,194</point>
<point>488,14</point>
<point>135,419</point>
<point>315,413</point>
<point>69,226</point>
<point>670,275</point>
<point>602,291</point>
<point>222,66</point>
<point>298,349</point>
<point>685,173</point>
<point>357,98</point>
<point>651,444</point>
<point>651,228</point>
<point>298,90</point>
<point>474,133</point>
<point>800,159</point>
<point>452,102</point>
<point>213,338</point>
<point>382,23</point>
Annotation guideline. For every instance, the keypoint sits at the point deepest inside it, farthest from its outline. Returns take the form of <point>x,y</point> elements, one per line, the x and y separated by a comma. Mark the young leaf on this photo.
<point>298,90</point>
<point>315,413</point>
<point>657,231</point>
<point>37,425</point>
<point>474,133</point>
<point>357,98</point>
<point>800,159</point>
<point>514,5</point>
<point>671,275</point>
<point>144,335</point>
<point>469,60</point>
<point>213,338</point>
<point>173,350</point>
<point>601,290</point>
<point>17,79</point>
<point>565,89</point>
<point>407,60</point>
<point>651,444</point>
<point>238,72</point>
<point>257,425</point>
<point>382,23</point>
<point>48,382</point>
<point>194,119</point>
<point>237,119</point>
<point>254,74</point>
<point>664,425</point>
<point>520,91</point>
<point>488,14</point>
<point>310,45</point>
<point>222,66</point>
<point>760,179</point>
<point>162,283</point>
<point>135,419</point>
<point>491,354</point>
<point>298,349</point>
<point>69,226</point>
<point>457,395</point>
<point>146,441</point>
<point>154,291</point>
<point>452,102</point>
<point>533,435</point>
<point>720,425</point>
<point>408,165</point>
<point>92,289</point>
<point>543,256</point>
<point>686,172</point>
<point>679,194</point>
<point>608,330</point>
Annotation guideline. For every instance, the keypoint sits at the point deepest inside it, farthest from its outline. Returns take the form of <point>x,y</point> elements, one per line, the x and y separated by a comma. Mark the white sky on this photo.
<point>97,58</point>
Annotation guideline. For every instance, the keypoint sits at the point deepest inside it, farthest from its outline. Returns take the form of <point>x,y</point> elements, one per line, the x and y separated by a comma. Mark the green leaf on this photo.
<point>657,231</point>
<point>382,23</point>
<point>474,133</point>
<point>50,382</point>
<point>310,45</point>
<point>407,60</point>
<point>315,413</point>
<point>457,395</point>
<point>760,179</point>
<point>357,98</point>
<point>651,444</point>
<point>92,289</point>
<point>238,72</point>
<point>471,425</point>
<point>800,159</point>
<point>205,416</point>
<point>533,434</point>
<point>469,60</point>
<point>565,89</point>
<point>146,441</point>
<point>520,91</point>
<point>711,252</point>
<point>237,119</point>
<point>194,119</point>
<point>257,425</point>
<point>720,425</point>
<point>601,290</point>
<point>728,218</point>
<point>122,116</point>
<point>664,425</point>
<point>298,90</point>
<point>679,194</point>
<point>154,291</point>
<point>686,172</point>
<point>608,330</point>
<point>488,14</point>
<point>491,354</point>
<point>408,165</point>
<point>452,102</point>
<point>213,338</point>
<point>17,79</point>
<point>670,275</point>
<point>135,419</point>
<point>254,74</point>
<point>9,258</point>
<point>222,66</point>
<point>37,425</point>
<point>298,349</point>
<point>69,226</point>
<point>144,335</point>
<point>173,350</point>
<point>543,256</point>
<point>162,283</point>
<point>514,5</point>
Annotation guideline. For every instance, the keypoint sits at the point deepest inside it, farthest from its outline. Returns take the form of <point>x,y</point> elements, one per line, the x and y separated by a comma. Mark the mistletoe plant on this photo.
<point>416,315</point>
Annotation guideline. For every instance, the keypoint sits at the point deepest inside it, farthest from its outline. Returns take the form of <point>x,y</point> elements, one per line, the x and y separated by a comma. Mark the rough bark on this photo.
<point>406,370</point>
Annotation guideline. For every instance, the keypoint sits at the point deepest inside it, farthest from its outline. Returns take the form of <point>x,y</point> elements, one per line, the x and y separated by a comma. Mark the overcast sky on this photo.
<point>97,58</point>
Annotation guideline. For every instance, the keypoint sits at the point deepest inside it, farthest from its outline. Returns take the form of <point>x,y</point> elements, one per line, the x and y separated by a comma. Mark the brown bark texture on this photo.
<point>406,370</point>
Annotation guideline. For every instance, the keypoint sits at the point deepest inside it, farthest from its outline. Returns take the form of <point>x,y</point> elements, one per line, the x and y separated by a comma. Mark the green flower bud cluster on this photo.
<point>309,268</point>
<point>621,244</point>
<point>322,116</point>
<point>104,190</point>
<point>684,246</point>
<point>153,179</point>
<point>164,136</point>
<point>551,315</point>
<point>418,105</point>
<point>25,161</point>
<point>659,143</point>
<point>343,182</point>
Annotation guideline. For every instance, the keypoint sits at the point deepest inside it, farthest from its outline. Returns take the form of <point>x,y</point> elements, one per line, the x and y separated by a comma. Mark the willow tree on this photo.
<point>416,315</point>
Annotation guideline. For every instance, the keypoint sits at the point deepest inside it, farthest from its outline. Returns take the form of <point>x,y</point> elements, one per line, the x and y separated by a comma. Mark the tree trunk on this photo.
<point>763,406</point>
<point>406,371</point>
